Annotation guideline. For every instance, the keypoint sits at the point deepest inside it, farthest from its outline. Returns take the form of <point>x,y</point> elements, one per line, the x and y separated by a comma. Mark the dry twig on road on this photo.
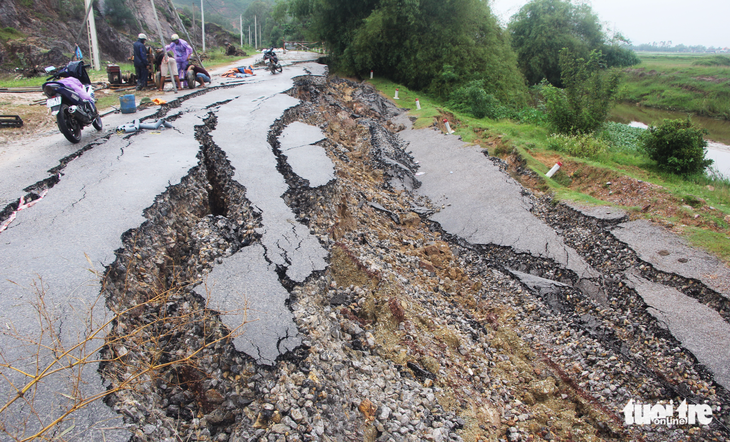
<point>127,342</point>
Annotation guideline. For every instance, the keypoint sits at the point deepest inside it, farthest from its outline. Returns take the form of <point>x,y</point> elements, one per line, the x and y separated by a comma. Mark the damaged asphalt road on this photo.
<point>55,254</point>
<point>275,271</point>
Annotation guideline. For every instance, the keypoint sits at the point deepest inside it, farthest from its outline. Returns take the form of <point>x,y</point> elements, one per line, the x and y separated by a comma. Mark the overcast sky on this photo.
<point>688,22</point>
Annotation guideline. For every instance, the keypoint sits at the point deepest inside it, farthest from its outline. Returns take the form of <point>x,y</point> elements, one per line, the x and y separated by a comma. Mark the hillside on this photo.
<point>44,32</point>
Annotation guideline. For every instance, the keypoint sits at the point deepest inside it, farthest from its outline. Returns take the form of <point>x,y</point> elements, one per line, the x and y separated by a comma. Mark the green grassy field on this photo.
<point>696,83</point>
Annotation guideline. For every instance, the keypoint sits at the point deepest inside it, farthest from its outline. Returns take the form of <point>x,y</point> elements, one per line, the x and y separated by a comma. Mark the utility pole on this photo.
<point>249,35</point>
<point>255,36</point>
<point>157,22</point>
<point>162,40</point>
<point>93,42</point>
<point>202,20</point>
<point>240,26</point>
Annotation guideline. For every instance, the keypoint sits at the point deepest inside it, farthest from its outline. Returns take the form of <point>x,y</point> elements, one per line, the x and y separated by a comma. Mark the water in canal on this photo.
<point>718,140</point>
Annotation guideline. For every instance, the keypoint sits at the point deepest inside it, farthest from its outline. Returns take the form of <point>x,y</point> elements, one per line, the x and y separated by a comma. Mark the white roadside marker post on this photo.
<point>448,127</point>
<point>555,168</point>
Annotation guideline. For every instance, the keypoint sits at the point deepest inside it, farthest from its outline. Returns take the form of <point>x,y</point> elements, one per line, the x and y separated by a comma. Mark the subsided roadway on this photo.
<point>483,205</point>
<point>103,193</point>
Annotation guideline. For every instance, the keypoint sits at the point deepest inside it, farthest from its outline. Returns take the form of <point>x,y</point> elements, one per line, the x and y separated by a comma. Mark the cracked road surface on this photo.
<point>225,202</point>
<point>483,205</point>
<point>480,203</point>
<point>242,132</point>
<point>54,253</point>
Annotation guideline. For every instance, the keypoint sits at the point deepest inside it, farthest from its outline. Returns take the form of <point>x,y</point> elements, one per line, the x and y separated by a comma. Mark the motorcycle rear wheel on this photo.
<point>68,125</point>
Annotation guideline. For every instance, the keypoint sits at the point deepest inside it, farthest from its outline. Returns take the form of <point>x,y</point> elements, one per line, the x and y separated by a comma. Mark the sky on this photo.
<point>687,22</point>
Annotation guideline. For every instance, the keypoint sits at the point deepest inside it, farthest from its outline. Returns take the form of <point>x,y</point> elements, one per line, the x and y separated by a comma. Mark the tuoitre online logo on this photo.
<point>636,413</point>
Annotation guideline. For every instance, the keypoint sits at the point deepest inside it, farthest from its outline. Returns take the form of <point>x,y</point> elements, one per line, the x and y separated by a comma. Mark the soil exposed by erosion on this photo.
<point>410,333</point>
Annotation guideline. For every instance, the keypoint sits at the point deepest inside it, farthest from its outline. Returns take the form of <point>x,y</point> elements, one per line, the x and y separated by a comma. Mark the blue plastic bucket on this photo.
<point>127,104</point>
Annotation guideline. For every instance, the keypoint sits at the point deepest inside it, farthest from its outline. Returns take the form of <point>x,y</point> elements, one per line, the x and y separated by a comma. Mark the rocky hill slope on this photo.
<point>44,32</point>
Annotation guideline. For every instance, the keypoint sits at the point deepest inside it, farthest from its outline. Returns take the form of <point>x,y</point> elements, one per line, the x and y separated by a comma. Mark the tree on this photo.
<point>433,45</point>
<point>285,27</point>
<point>583,105</point>
<point>678,147</point>
<point>258,13</point>
<point>334,22</point>
<point>542,28</point>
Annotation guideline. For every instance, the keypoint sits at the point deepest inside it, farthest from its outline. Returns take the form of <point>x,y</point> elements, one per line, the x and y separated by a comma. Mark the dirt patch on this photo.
<point>711,79</point>
<point>31,108</point>
<point>640,198</point>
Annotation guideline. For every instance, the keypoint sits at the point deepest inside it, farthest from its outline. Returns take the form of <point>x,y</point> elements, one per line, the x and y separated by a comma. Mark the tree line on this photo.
<point>680,48</point>
<point>552,52</point>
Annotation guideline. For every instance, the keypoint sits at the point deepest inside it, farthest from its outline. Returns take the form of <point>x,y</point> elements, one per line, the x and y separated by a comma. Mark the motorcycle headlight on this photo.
<point>50,90</point>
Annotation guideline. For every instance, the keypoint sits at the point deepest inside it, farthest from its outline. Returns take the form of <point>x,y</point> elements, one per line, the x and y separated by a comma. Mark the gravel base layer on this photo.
<point>410,334</point>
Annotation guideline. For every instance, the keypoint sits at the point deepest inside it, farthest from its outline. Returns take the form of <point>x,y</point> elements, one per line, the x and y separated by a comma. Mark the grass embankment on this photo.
<point>620,174</point>
<point>695,83</point>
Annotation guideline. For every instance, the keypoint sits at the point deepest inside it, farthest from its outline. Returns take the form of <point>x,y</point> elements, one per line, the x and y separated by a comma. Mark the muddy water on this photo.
<point>626,113</point>
<point>718,143</point>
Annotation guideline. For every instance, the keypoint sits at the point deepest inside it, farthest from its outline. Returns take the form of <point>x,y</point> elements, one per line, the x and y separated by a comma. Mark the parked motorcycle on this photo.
<point>272,61</point>
<point>71,99</point>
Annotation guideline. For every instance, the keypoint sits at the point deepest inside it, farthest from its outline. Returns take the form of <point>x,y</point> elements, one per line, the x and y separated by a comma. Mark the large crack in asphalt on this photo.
<point>193,224</point>
<point>613,257</point>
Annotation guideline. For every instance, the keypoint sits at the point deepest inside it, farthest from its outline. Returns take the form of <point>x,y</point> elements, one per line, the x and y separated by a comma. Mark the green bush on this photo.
<point>10,33</point>
<point>577,145</point>
<point>473,99</point>
<point>531,115</point>
<point>678,147</point>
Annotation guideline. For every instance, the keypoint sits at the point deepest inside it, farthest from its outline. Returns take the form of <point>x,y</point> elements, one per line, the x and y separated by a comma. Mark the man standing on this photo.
<point>140,61</point>
<point>167,67</point>
<point>182,51</point>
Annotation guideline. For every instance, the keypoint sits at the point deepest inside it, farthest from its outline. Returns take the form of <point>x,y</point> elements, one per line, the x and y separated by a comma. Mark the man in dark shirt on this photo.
<point>140,61</point>
<point>199,74</point>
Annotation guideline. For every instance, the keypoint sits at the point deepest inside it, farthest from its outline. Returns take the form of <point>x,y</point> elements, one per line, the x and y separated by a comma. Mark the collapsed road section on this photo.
<point>278,294</point>
<point>412,332</point>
